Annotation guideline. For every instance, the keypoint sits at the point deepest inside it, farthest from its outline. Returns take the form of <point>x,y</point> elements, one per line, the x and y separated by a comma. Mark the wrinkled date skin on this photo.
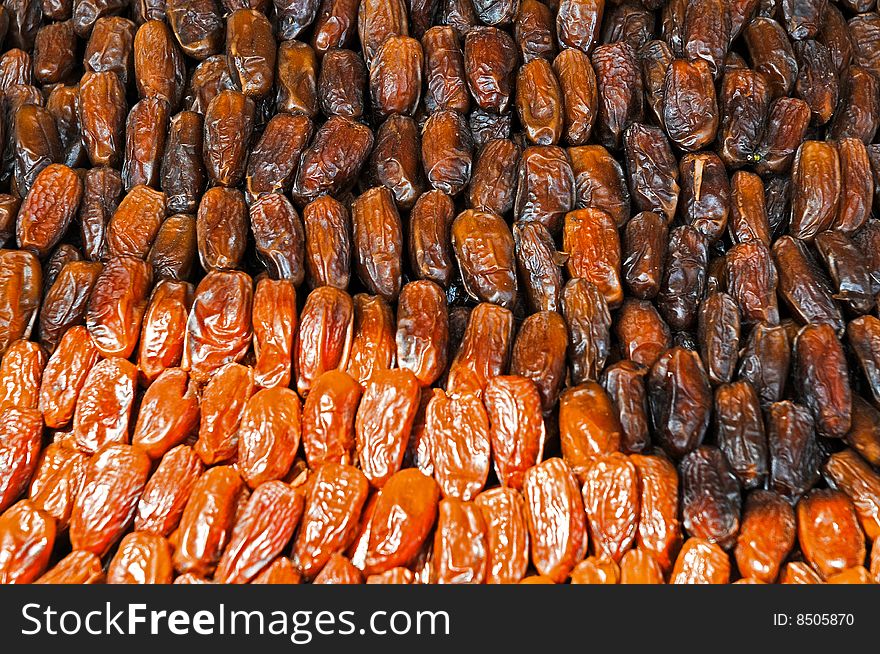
<point>164,325</point>
<point>373,345</point>
<point>711,499</point>
<point>401,521</point>
<point>325,335</point>
<point>430,245</point>
<point>422,331</point>
<point>507,536</point>
<point>588,426</point>
<point>327,244</point>
<point>262,530</point>
<point>48,209</point>
<point>821,367</point>
<point>766,536</point>
<point>592,243</point>
<point>848,472</point>
<point>794,452</point>
<point>490,59</point>
<point>537,263</point>
<point>207,521</point>
<point>546,186</point>
<point>659,531</point>
<point>516,427</point>
<point>539,354</point>
<point>457,429</point>
<point>460,544</point>
<point>20,435</point>
<point>829,532</point>
<point>739,430</point>
<point>168,414</point>
<point>718,330</point>
<point>20,374</point>
<point>229,121</point>
<point>484,249</point>
<point>27,536</point>
<point>104,509</point>
<point>701,562</point>
<point>166,493</point>
<point>330,519</point>
<point>328,419</point>
<point>332,161</point>
<point>558,538</point>
<point>803,287</point>
<point>624,382</point>
<point>643,254</point>
<point>221,406</point>
<point>642,333</point>
<point>611,500</point>
<point>377,240</point>
<point>65,302</point>
<point>20,283</point>
<point>117,305</point>
<point>218,329</point>
<point>684,277</point>
<point>484,351</point>
<point>64,375</point>
<point>619,82</point>
<point>142,558</point>
<point>274,327</point>
<point>690,109</point>
<point>383,423</point>
<point>269,435</point>
<point>680,399</point>
<point>588,318</point>
<point>104,405</point>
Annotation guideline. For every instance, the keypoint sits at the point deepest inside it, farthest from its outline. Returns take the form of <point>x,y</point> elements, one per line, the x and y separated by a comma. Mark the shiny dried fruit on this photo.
<point>142,558</point>
<point>27,536</point>
<point>164,326</point>
<point>794,453</point>
<point>222,406</point>
<point>824,379</point>
<point>680,399</point>
<point>829,533</point>
<point>848,472</point>
<point>325,335</point>
<point>207,521</point>
<point>539,354</point>
<point>484,249</point>
<point>333,507</point>
<point>516,427</point>
<point>558,538</point>
<point>218,329</point>
<point>701,562</point>
<point>269,435</point>
<point>168,413</point>
<point>166,493</point>
<point>383,423</point>
<point>611,500</point>
<point>117,305</point>
<point>104,405</point>
<point>710,501</point>
<point>401,521</point>
<point>457,429</point>
<point>262,530</point>
<point>507,536</point>
<point>48,208</point>
<point>105,506</point>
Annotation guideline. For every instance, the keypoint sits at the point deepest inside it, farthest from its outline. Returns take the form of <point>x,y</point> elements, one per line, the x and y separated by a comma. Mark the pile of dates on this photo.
<point>439,291</point>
